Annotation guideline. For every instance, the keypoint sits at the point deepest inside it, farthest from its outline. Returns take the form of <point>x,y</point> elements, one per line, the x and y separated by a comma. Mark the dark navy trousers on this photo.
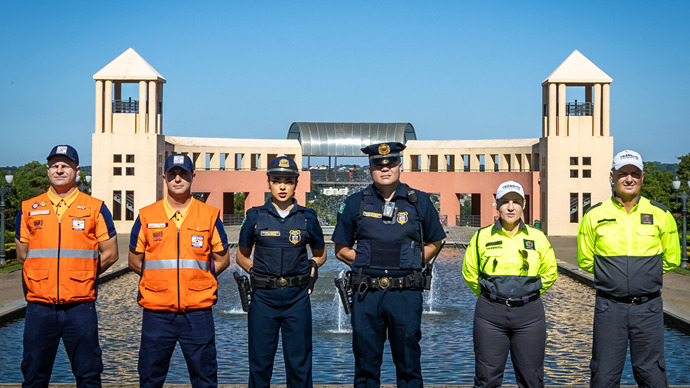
<point>77,325</point>
<point>616,324</point>
<point>499,329</point>
<point>161,330</point>
<point>284,311</point>
<point>398,315</point>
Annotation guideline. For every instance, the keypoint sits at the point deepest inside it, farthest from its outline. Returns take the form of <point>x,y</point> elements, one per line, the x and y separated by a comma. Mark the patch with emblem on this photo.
<point>157,235</point>
<point>647,219</point>
<point>371,214</point>
<point>78,224</point>
<point>270,233</point>
<point>384,149</point>
<point>43,203</point>
<point>284,163</point>
<point>295,236</point>
<point>529,244</point>
<point>197,241</point>
<point>38,223</point>
<point>80,207</point>
<point>342,208</point>
<point>157,225</point>
<point>39,213</point>
<point>35,205</point>
<point>402,218</point>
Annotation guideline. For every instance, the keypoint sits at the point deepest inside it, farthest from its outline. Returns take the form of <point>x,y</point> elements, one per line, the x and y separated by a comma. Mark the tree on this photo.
<point>683,170</point>
<point>657,185</point>
<point>30,180</point>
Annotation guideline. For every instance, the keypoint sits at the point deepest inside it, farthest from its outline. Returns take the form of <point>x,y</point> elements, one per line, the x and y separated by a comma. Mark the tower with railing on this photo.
<point>576,147</point>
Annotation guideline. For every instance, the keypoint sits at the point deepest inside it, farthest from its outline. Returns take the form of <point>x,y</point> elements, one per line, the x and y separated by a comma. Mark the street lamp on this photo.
<point>684,213</point>
<point>9,178</point>
<point>84,187</point>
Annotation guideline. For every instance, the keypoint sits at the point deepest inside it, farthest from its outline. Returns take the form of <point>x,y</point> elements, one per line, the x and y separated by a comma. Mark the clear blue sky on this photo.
<point>248,69</point>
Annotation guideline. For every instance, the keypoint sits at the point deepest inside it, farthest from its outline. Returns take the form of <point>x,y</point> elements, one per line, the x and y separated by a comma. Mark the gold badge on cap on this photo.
<point>384,149</point>
<point>283,163</point>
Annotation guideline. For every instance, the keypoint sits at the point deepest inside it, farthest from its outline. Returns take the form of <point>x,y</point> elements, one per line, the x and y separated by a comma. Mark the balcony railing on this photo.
<point>578,108</point>
<point>474,220</point>
<point>126,106</point>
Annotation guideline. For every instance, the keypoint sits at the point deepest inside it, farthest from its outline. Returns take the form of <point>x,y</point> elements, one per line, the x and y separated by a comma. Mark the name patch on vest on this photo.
<point>371,214</point>
<point>78,224</point>
<point>197,241</point>
<point>157,225</point>
<point>295,236</point>
<point>39,213</point>
<point>402,218</point>
<point>529,244</point>
<point>647,219</point>
<point>270,233</point>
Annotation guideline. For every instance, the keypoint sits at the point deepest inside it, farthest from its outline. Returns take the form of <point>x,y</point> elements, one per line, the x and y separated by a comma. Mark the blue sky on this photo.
<point>248,69</point>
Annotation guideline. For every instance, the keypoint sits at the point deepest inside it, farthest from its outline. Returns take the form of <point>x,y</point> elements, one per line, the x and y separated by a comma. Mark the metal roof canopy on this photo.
<point>347,139</point>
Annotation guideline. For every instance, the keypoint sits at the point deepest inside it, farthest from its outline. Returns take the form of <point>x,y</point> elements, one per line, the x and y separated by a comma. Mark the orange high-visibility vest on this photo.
<point>178,271</point>
<point>61,263</point>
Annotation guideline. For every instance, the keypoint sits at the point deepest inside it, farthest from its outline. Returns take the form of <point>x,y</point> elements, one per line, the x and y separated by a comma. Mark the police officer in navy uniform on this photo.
<point>282,276</point>
<point>395,229</point>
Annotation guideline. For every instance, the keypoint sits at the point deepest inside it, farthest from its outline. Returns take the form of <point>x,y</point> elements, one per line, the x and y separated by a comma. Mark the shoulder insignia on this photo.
<point>342,208</point>
<point>592,207</point>
<point>659,205</point>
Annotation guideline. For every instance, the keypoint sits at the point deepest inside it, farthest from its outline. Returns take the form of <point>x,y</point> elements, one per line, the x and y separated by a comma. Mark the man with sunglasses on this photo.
<point>509,265</point>
<point>396,230</point>
<point>628,242</point>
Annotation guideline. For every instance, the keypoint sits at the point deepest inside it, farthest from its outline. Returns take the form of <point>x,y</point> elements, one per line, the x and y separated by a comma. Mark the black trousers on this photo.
<point>499,329</point>
<point>616,324</point>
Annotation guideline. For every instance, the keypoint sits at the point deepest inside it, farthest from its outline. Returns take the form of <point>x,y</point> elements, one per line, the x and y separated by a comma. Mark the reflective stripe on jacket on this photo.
<point>177,272</point>
<point>61,263</point>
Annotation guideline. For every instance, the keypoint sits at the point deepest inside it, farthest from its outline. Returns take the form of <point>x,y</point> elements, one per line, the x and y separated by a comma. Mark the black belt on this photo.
<point>630,299</point>
<point>59,307</point>
<point>413,281</point>
<point>511,302</point>
<point>271,282</point>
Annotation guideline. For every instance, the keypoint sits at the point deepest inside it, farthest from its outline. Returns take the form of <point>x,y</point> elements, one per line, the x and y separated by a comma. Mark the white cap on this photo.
<point>627,157</point>
<point>509,187</point>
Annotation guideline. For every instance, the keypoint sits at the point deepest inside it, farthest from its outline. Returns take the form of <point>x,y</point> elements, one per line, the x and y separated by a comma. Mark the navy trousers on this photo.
<point>499,329</point>
<point>161,330</point>
<point>616,324</point>
<point>398,315</point>
<point>286,311</point>
<point>77,325</point>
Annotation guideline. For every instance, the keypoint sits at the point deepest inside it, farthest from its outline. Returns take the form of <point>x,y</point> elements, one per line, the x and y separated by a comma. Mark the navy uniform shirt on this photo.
<point>246,238</point>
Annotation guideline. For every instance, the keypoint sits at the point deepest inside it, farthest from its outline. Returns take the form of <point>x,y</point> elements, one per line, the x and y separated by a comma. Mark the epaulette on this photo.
<point>659,205</point>
<point>592,207</point>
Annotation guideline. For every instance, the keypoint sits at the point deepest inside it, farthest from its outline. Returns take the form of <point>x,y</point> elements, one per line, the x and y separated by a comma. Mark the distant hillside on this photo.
<point>666,166</point>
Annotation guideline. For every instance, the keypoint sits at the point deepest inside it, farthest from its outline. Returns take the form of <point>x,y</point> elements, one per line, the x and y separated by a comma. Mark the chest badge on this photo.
<point>38,223</point>
<point>647,219</point>
<point>529,244</point>
<point>157,235</point>
<point>78,224</point>
<point>402,218</point>
<point>35,205</point>
<point>295,236</point>
<point>197,241</point>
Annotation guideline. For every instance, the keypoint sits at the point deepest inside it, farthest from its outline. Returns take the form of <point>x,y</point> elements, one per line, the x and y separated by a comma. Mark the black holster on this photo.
<point>245,289</point>
<point>344,287</point>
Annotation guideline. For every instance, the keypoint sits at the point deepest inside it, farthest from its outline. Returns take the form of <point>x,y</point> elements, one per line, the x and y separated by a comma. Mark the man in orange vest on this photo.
<point>65,239</point>
<point>178,245</point>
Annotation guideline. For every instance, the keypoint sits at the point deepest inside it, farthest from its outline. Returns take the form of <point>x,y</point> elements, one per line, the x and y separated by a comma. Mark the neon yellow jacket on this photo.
<point>509,266</point>
<point>628,252</point>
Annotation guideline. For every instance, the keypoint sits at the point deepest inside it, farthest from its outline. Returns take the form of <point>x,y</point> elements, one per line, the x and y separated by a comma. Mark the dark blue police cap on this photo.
<point>384,153</point>
<point>179,160</point>
<point>65,150</point>
<point>283,166</point>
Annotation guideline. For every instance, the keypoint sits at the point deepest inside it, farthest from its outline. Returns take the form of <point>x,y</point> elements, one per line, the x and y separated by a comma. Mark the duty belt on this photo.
<point>511,302</point>
<point>413,281</point>
<point>271,282</point>
<point>630,299</point>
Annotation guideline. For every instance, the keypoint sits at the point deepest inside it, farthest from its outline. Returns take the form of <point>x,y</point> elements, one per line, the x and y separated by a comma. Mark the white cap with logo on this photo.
<point>627,157</point>
<point>509,187</point>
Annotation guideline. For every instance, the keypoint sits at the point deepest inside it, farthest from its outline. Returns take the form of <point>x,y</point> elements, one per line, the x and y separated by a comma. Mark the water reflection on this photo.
<point>447,356</point>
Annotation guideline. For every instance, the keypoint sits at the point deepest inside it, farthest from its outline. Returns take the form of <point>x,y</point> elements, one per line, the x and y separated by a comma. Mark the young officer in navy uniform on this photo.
<point>395,228</point>
<point>509,265</point>
<point>282,276</point>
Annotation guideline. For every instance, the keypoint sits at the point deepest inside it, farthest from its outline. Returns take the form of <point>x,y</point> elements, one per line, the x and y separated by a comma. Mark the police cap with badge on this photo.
<point>283,166</point>
<point>384,153</point>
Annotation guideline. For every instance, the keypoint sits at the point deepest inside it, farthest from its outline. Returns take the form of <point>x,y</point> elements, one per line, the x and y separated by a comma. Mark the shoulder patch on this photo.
<point>342,208</point>
<point>592,207</point>
<point>659,205</point>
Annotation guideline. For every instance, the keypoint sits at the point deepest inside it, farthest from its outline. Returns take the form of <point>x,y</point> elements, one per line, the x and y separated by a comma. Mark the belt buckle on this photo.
<point>282,282</point>
<point>384,283</point>
<point>636,300</point>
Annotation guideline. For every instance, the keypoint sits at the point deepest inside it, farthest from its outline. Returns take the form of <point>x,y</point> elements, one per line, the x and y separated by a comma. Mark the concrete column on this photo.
<point>562,130</point>
<point>99,107</point>
<point>442,163</point>
<point>596,116</point>
<point>159,128</point>
<point>142,108</point>
<point>153,108</point>
<point>108,105</point>
<point>606,110</point>
<point>551,127</point>
<point>544,105</point>
<point>214,161</point>
<point>424,162</point>
<point>489,163</point>
<point>474,162</point>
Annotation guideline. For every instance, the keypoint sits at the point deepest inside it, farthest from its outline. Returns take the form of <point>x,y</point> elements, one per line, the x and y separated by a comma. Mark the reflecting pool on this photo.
<point>447,356</point>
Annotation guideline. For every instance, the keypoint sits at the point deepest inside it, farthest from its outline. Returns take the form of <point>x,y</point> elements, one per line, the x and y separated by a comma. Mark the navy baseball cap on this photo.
<point>283,166</point>
<point>384,153</point>
<point>179,160</point>
<point>66,150</point>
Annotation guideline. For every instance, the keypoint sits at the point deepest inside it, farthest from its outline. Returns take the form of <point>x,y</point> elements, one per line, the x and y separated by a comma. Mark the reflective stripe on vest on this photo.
<point>64,252</point>
<point>172,264</point>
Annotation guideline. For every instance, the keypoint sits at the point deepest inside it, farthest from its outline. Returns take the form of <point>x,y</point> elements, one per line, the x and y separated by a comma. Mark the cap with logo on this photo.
<point>283,166</point>
<point>509,187</point>
<point>384,153</point>
<point>65,150</point>
<point>627,157</point>
<point>179,160</point>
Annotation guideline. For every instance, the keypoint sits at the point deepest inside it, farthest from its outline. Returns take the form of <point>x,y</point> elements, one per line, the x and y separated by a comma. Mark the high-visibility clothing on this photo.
<point>628,252</point>
<point>178,270</point>
<point>509,266</point>
<point>62,258</point>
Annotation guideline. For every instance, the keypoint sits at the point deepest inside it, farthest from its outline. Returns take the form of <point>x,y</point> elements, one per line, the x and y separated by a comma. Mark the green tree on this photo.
<point>683,171</point>
<point>30,180</point>
<point>657,185</point>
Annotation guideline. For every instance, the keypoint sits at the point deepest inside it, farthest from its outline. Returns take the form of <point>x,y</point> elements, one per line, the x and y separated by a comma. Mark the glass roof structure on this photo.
<point>347,139</point>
